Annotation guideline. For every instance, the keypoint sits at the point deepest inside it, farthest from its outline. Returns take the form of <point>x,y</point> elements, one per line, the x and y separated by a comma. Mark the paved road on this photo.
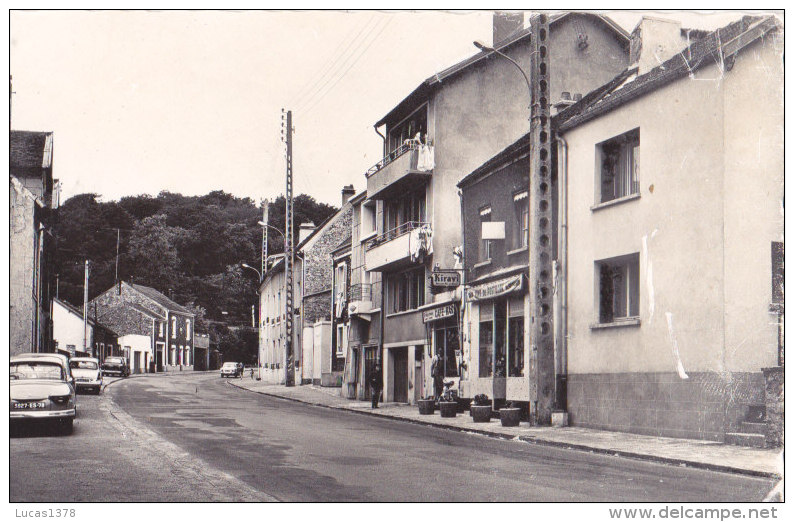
<point>183,429</point>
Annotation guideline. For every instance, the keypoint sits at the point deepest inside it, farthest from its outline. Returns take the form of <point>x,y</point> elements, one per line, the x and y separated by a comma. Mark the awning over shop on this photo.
<point>496,288</point>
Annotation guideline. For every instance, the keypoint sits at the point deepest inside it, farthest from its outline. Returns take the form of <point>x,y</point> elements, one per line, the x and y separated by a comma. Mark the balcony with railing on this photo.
<point>360,299</point>
<point>398,246</point>
<point>401,168</point>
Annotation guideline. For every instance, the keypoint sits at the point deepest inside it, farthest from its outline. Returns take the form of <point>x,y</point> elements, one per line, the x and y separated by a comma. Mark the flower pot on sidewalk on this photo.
<point>426,406</point>
<point>481,413</point>
<point>448,409</point>
<point>510,416</point>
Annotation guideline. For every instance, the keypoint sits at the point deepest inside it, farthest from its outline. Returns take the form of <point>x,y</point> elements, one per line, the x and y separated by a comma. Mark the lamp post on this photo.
<point>258,273</point>
<point>542,382</point>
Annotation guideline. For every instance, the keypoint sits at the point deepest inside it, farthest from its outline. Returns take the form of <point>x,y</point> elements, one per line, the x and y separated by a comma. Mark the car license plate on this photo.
<point>82,379</point>
<point>29,405</point>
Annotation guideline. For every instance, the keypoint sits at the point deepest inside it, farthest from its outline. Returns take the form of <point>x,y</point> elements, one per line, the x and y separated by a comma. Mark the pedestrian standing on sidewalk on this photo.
<point>376,383</point>
<point>437,372</point>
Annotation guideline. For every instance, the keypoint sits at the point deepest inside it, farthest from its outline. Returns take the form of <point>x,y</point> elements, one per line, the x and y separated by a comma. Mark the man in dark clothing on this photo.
<point>376,383</point>
<point>437,372</point>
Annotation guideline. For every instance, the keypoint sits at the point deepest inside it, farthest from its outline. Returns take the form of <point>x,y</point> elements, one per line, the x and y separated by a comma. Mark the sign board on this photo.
<point>442,312</point>
<point>445,278</point>
<point>495,288</point>
<point>493,230</point>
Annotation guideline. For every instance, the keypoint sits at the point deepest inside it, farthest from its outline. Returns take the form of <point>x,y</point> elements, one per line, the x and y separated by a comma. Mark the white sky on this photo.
<point>190,101</point>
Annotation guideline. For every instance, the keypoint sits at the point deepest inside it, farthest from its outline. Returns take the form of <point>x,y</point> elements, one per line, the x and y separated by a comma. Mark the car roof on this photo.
<point>94,359</point>
<point>51,357</point>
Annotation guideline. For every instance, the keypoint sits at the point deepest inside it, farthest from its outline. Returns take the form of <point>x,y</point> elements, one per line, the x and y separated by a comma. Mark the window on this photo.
<point>408,128</point>
<point>486,340</point>
<point>521,228</point>
<point>161,330</point>
<point>500,331</point>
<point>618,288</point>
<point>367,220</point>
<point>187,329</point>
<point>407,208</point>
<point>340,340</point>
<point>407,290</point>
<point>340,288</point>
<point>173,327</point>
<point>620,166</point>
<point>515,335</point>
<point>485,244</point>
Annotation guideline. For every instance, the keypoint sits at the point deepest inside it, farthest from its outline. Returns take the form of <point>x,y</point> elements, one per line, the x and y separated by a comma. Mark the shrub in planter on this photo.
<point>426,406</point>
<point>448,409</point>
<point>511,415</point>
<point>481,408</point>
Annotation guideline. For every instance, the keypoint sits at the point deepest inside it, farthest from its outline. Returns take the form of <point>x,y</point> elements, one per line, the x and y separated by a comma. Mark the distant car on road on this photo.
<point>87,374</point>
<point>42,389</point>
<point>116,366</point>
<point>232,369</point>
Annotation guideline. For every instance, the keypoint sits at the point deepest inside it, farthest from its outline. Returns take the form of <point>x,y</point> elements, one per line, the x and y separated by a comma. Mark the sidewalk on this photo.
<point>683,452</point>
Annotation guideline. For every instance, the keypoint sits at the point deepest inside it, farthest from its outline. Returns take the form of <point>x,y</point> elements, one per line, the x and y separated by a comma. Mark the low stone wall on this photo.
<point>705,406</point>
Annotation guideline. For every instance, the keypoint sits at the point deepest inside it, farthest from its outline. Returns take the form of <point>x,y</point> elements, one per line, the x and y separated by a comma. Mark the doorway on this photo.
<point>400,357</point>
<point>419,372</point>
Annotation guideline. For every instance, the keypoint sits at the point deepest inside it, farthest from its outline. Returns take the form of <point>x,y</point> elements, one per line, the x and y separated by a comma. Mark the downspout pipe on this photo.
<point>562,193</point>
<point>384,141</point>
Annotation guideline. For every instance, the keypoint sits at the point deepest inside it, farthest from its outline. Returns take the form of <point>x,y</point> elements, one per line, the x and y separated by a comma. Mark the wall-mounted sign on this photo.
<point>495,288</point>
<point>442,312</point>
<point>445,278</point>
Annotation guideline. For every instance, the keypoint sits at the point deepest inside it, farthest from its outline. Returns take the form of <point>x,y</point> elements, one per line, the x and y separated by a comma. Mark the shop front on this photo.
<point>498,340</point>
<point>444,332</point>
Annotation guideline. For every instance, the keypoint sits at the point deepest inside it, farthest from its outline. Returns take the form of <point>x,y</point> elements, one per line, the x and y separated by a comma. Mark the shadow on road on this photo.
<point>31,429</point>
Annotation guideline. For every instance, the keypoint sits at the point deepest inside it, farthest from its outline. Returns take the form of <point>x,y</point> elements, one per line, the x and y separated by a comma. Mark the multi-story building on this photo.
<point>164,329</point>
<point>74,335</point>
<point>674,211</point>
<point>33,203</point>
<point>442,131</point>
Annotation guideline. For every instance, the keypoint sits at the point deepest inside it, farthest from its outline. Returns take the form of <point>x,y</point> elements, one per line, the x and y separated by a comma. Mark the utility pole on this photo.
<point>85,308</point>
<point>118,237</point>
<point>541,330</point>
<point>265,208</point>
<point>289,378</point>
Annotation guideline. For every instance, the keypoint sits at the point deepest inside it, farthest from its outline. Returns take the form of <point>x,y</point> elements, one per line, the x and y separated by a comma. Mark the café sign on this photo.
<point>441,312</point>
<point>495,288</point>
<point>445,278</point>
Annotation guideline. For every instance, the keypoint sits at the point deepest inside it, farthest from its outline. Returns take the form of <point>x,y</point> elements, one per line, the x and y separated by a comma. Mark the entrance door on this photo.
<point>401,375</point>
<point>370,359</point>
<point>419,372</point>
<point>159,360</point>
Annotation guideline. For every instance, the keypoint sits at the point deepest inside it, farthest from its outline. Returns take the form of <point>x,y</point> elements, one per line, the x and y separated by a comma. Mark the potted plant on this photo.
<point>481,408</point>
<point>427,406</point>
<point>448,408</point>
<point>511,415</point>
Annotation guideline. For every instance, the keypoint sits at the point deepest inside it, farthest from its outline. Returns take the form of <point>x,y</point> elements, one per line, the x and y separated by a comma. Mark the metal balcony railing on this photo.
<point>394,233</point>
<point>361,292</point>
<point>393,155</point>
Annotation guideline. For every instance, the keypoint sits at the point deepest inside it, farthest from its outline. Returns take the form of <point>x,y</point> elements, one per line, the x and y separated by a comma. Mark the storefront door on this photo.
<point>400,374</point>
<point>370,360</point>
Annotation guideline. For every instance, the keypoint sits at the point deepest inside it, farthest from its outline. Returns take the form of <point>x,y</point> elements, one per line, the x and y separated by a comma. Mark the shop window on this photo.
<point>485,244</point>
<point>618,288</point>
<point>515,336</point>
<point>521,227</point>
<point>619,171</point>
<point>486,340</point>
<point>407,290</point>
<point>500,334</point>
<point>447,345</point>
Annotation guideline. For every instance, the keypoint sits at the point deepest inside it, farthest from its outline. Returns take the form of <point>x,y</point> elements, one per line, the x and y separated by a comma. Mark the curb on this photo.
<point>541,442</point>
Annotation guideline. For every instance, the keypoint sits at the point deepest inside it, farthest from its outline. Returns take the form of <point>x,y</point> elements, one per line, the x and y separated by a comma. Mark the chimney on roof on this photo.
<point>654,41</point>
<point>305,230</point>
<point>505,24</point>
<point>347,192</point>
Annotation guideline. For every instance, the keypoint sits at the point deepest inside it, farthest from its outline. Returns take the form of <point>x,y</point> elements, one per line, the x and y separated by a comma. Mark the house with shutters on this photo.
<point>159,333</point>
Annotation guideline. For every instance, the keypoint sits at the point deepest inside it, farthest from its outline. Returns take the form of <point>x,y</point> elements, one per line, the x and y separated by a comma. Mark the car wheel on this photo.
<point>67,426</point>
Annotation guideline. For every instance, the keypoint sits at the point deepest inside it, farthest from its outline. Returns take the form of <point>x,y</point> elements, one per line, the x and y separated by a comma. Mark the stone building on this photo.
<point>133,309</point>
<point>33,204</point>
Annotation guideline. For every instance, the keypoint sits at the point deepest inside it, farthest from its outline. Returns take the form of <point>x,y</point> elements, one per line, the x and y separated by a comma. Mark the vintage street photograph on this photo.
<point>396,256</point>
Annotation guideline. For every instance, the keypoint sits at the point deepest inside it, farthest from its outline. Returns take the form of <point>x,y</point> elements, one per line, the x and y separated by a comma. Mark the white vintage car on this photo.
<point>87,373</point>
<point>42,389</point>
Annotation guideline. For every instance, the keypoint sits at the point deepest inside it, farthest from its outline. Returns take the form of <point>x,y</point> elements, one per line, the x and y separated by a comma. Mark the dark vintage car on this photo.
<point>115,366</point>
<point>42,389</point>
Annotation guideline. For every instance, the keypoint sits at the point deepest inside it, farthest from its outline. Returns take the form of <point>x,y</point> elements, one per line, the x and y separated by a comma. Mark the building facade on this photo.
<point>73,336</point>
<point>447,127</point>
<point>33,203</point>
<point>675,231</point>
<point>133,309</point>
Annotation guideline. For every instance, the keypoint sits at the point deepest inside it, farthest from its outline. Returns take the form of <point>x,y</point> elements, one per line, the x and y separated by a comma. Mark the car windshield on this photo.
<point>230,365</point>
<point>82,365</point>
<point>36,370</point>
<point>112,361</point>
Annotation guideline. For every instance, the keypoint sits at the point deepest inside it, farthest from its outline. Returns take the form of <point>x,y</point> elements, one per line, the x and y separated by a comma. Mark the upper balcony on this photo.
<point>399,246</point>
<point>360,299</point>
<point>401,169</point>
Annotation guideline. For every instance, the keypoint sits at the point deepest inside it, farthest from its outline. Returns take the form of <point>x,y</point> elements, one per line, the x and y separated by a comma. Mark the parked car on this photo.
<point>42,389</point>
<point>116,366</point>
<point>232,369</point>
<point>87,374</point>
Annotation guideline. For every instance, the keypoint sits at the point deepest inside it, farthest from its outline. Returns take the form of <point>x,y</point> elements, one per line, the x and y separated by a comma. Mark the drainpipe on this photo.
<point>384,142</point>
<point>463,314</point>
<point>562,327</point>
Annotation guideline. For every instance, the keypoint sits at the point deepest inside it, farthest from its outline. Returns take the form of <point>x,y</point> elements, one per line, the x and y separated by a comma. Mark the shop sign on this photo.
<point>445,278</point>
<point>495,288</point>
<point>441,312</point>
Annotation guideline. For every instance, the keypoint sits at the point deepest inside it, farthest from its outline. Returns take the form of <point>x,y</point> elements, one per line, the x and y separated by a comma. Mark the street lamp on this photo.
<point>258,273</point>
<point>482,47</point>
